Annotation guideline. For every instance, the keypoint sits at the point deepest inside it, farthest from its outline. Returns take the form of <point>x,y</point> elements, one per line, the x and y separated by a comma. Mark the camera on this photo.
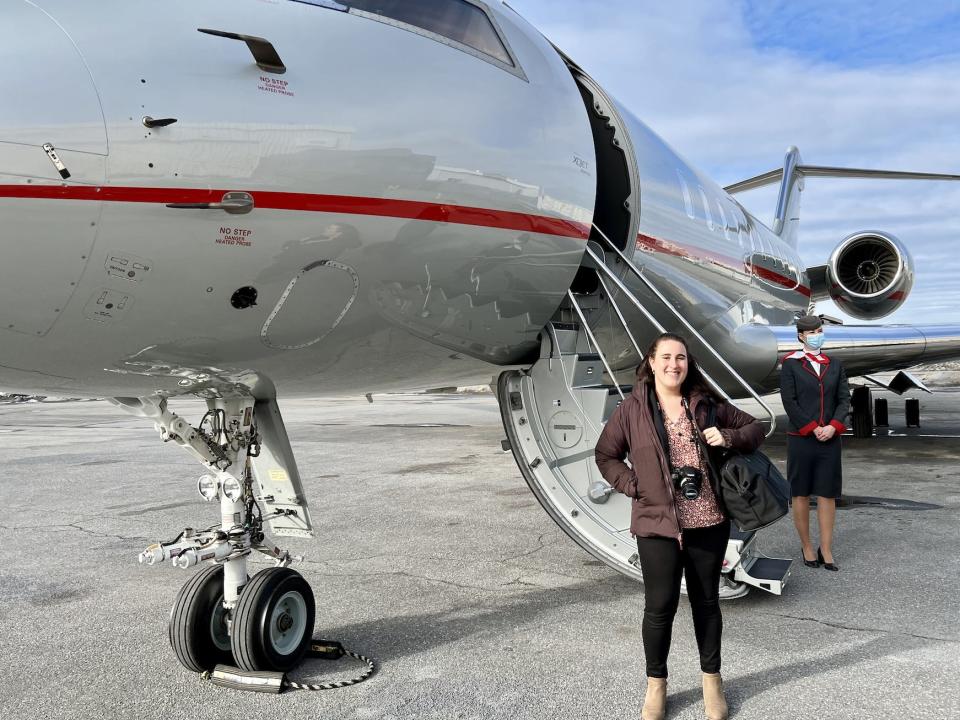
<point>688,480</point>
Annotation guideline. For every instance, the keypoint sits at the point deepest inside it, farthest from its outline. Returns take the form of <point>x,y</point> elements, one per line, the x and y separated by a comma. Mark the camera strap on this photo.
<point>701,445</point>
<point>660,426</point>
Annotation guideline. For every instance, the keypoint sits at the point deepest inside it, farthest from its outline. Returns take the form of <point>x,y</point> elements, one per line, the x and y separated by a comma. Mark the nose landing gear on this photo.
<point>221,616</point>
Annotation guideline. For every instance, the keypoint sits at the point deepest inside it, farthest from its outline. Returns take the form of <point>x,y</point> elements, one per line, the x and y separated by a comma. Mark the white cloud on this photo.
<point>731,103</point>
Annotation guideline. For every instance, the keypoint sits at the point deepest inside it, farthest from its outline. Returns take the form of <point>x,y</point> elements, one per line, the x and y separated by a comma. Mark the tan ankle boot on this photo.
<point>714,702</point>
<point>655,703</point>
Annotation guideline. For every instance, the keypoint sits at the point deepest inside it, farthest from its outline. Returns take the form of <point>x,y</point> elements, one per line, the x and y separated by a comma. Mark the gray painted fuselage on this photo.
<point>420,212</point>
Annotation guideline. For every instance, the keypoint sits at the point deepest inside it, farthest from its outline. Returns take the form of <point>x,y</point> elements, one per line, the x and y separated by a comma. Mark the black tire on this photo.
<point>862,412</point>
<point>197,629</point>
<point>273,621</point>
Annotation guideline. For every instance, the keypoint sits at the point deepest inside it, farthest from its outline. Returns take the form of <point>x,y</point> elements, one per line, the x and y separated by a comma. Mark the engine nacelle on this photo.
<point>870,274</point>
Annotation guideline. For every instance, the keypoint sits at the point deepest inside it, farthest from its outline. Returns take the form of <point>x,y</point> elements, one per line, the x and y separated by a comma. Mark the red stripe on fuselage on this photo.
<point>308,202</point>
<point>379,207</point>
<point>724,261</point>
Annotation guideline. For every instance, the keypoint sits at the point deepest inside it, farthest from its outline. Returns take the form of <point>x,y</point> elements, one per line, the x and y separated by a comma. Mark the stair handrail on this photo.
<point>623,320</point>
<point>660,296</point>
<point>650,317</point>
<point>555,346</point>
<point>593,341</point>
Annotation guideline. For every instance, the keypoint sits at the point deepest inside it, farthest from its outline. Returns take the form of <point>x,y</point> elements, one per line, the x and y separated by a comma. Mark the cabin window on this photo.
<point>723,222</point>
<point>706,208</point>
<point>759,244</point>
<point>458,20</point>
<point>743,231</point>
<point>687,201</point>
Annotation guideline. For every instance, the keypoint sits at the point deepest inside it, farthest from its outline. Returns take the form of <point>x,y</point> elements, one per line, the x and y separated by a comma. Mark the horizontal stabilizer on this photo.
<point>791,175</point>
<point>775,176</point>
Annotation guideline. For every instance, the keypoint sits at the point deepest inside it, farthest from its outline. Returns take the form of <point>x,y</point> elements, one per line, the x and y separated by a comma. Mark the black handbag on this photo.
<point>752,489</point>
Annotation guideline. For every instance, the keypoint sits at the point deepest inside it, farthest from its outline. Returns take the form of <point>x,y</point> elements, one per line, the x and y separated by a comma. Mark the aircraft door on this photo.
<point>771,266</point>
<point>53,148</point>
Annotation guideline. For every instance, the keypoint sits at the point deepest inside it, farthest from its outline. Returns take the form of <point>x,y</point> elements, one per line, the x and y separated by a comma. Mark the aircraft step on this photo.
<point>744,565</point>
<point>588,371</point>
<point>766,573</point>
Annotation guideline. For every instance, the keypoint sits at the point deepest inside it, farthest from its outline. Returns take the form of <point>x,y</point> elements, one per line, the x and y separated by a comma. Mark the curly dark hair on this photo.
<point>694,382</point>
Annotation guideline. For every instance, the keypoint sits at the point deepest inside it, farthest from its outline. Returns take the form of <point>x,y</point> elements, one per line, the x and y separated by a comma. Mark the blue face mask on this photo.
<point>815,341</point>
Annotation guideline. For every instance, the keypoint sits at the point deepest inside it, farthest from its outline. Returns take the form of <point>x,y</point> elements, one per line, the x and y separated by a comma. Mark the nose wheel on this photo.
<point>273,621</point>
<point>198,622</point>
<point>222,616</point>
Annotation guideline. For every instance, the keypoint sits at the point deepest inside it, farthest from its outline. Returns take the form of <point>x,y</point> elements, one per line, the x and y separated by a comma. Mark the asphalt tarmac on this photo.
<point>433,557</point>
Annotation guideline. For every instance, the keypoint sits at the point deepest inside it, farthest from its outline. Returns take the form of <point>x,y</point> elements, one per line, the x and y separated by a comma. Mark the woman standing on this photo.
<point>677,531</point>
<point>817,399</point>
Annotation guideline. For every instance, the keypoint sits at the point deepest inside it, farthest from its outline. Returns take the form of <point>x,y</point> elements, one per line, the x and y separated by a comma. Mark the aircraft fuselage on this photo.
<point>408,211</point>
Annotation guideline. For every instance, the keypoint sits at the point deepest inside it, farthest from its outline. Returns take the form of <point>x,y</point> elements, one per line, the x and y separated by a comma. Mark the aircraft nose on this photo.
<point>53,148</point>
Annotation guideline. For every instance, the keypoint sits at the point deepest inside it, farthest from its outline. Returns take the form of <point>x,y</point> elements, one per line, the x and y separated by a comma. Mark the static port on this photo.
<point>244,297</point>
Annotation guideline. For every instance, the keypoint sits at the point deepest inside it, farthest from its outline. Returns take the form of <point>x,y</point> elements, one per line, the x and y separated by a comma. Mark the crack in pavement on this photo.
<point>402,573</point>
<point>841,626</point>
<point>524,583</point>
<point>506,562</point>
<point>331,561</point>
<point>105,535</point>
<point>501,588</point>
<point>540,546</point>
<point>68,527</point>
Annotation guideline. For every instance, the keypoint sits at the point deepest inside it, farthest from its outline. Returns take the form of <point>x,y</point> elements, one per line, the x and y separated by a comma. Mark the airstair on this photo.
<point>554,412</point>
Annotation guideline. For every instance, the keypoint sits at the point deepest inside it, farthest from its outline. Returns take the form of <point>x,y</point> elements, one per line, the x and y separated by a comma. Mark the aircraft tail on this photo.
<point>791,177</point>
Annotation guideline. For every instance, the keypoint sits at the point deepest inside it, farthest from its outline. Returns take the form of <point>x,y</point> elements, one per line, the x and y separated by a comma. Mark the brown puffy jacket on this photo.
<point>631,432</point>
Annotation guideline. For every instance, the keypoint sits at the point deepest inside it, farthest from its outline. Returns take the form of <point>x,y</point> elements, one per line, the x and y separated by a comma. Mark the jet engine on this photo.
<point>869,274</point>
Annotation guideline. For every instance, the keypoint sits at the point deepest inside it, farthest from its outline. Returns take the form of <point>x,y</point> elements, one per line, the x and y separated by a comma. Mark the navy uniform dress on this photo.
<point>812,399</point>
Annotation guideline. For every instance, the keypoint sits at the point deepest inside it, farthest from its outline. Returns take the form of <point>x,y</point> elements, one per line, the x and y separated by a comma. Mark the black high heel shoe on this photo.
<point>826,565</point>
<point>808,563</point>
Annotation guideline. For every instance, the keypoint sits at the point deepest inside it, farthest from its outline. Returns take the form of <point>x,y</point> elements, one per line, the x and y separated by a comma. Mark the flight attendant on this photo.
<point>816,397</point>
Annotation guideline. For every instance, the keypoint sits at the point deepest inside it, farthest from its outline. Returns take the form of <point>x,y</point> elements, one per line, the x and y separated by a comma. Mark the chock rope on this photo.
<point>277,682</point>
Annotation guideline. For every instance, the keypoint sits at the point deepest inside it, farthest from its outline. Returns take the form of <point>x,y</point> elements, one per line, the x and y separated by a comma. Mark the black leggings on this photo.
<point>663,562</point>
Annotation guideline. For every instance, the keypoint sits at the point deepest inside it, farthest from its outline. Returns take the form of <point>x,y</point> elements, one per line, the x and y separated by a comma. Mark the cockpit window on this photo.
<point>457,20</point>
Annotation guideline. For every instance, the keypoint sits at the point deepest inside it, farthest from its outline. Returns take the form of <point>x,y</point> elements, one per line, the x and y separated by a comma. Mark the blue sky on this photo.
<point>731,84</point>
<point>856,34</point>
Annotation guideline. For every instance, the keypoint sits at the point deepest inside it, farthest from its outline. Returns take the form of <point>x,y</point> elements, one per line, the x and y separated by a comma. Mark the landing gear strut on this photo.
<point>221,615</point>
